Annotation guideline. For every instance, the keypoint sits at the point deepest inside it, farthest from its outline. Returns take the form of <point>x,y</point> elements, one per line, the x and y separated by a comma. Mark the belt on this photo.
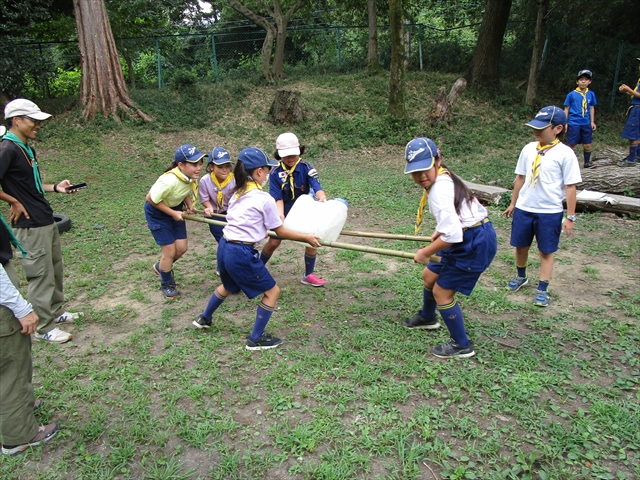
<point>484,220</point>
<point>239,242</point>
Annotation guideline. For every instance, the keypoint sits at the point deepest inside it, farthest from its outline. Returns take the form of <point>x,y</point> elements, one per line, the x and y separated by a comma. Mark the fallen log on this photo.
<point>608,176</point>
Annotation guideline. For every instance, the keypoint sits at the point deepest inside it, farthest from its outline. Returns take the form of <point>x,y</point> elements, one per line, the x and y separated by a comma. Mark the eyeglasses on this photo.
<point>37,123</point>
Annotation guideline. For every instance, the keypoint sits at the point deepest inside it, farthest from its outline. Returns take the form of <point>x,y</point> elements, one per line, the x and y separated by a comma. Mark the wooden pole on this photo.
<point>344,246</point>
<point>355,233</point>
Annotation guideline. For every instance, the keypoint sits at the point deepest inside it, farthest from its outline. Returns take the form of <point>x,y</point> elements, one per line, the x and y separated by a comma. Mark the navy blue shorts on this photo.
<point>545,227</point>
<point>241,269</point>
<point>165,230</point>
<point>216,231</point>
<point>632,127</point>
<point>579,135</point>
<point>463,263</point>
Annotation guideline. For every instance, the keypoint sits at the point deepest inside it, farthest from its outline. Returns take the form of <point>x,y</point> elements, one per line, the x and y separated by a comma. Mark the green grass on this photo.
<point>552,393</point>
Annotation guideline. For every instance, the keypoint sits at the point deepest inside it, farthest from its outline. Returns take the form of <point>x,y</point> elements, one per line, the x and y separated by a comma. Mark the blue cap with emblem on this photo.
<point>253,157</point>
<point>547,117</point>
<point>188,153</point>
<point>219,156</point>
<point>420,154</point>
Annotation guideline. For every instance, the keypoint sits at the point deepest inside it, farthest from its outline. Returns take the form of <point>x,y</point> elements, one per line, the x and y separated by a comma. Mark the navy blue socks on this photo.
<point>429,304</point>
<point>542,285</point>
<point>453,319</point>
<point>263,314</point>
<point>309,264</point>
<point>522,271</point>
<point>214,302</point>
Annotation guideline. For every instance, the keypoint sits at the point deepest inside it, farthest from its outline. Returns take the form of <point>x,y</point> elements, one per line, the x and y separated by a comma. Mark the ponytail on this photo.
<point>171,167</point>
<point>241,176</point>
<point>461,191</point>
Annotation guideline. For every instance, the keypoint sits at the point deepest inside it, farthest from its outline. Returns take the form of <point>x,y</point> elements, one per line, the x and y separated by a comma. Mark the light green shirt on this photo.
<point>170,190</point>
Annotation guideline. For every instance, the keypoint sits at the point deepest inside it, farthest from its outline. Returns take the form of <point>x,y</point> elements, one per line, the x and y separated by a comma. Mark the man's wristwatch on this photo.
<point>573,218</point>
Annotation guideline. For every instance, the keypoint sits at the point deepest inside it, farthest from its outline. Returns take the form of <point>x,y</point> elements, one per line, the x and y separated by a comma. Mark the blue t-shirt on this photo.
<point>574,102</point>
<point>304,177</point>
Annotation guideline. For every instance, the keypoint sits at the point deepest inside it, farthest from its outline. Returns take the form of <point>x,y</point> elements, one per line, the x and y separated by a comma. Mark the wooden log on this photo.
<point>608,177</point>
<point>286,107</point>
<point>487,193</point>
<point>443,103</point>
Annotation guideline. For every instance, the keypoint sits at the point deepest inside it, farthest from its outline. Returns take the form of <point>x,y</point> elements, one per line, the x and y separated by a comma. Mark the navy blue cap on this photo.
<point>188,153</point>
<point>548,116</point>
<point>219,156</point>
<point>420,154</point>
<point>253,157</point>
<point>585,73</point>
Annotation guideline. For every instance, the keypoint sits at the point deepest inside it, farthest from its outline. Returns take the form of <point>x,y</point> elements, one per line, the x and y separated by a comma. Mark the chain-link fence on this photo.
<point>52,69</point>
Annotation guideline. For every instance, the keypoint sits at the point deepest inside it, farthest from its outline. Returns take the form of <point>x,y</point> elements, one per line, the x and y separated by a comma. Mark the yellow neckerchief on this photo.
<point>289,173</point>
<point>584,99</point>
<point>423,201</point>
<point>220,186</point>
<point>184,179</point>
<point>637,86</point>
<point>251,185</point>
<point>535,168</point>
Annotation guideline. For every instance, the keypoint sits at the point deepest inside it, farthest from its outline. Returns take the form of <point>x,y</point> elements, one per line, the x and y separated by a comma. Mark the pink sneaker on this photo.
<point>313,280</point>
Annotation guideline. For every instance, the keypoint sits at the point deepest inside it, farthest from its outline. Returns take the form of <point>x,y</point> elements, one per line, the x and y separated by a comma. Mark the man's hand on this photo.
<point>29,323</point>
<point>16,211</point>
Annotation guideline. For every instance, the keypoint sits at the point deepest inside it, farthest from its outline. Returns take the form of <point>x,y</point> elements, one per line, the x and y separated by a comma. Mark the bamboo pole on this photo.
<point>355,233</point>
<point>344,246</point>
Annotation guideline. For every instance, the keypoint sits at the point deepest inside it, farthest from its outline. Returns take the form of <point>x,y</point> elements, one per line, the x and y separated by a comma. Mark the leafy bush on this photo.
<point>65,83</point>
<point>181,78</point>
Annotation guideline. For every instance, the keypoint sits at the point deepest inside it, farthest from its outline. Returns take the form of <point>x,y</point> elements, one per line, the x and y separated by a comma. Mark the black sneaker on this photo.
<point>169,290</point>
<point>453,349</point>
<point>265,342</point>
<point>201,322</point>
<point>418,321</point>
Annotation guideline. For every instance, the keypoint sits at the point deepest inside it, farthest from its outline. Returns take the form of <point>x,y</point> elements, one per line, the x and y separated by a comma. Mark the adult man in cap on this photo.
<point>32,218</point>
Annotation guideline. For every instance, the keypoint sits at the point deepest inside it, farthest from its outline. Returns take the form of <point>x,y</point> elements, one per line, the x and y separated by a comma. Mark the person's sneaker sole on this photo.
<point>461,355</point>
<point>42,339</point>
<point>200,325</point>
<point>34,441</point>
<point>431,326</point>
<point>304,282</point>
<point>262,347</point>
<point>156,268</point>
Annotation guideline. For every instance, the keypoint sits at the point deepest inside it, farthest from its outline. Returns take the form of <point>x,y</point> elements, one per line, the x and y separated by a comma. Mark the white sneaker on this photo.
<point>68,317</point>
<point>55,336</point>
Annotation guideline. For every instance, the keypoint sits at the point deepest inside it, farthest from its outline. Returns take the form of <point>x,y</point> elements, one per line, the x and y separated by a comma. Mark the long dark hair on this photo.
<point>302,150</point>
<point>171,167</point>
<point>461,191</point>
<point>242,176</point>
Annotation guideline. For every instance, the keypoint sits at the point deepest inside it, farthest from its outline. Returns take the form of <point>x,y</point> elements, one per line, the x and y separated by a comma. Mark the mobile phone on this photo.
<point>76,187</point>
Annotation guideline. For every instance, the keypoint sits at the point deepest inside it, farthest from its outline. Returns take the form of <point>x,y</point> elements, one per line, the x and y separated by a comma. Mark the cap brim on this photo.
<point>538,124</point>
<point>272,163</point>
<point>195,159</point>
<point>289,151</point>
<point>420,166</point>
<point>221,162</point>
<point>39,116</point>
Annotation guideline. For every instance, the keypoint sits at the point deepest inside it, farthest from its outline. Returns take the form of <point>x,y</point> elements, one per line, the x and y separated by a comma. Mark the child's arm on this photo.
<point>592,113</point>
<point>321,195</point>
<point>208,209</point>
<point>189,204</point>
<point>301,237</point>
<point>423,255</point>
<point>567,225</point>
<point>164,208</point>
<point>280,207</point>
<point>517,186</point>
<point>629,91</point>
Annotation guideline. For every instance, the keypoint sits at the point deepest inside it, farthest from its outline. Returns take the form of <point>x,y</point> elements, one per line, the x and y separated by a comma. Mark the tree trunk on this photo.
<point>536,56</point>
<point>373,65</point>
<point>607,177</point>
<point>396,75</point>
<point>443,104</point>
<point>485,66</point>
<point>102,87</point>
<point>286,107</point>
<point>129,62</point>
<point>282,21</point>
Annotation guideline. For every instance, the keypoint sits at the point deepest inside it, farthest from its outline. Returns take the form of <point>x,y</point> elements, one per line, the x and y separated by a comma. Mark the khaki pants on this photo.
<point>18,424</point>
<point>44,271</point>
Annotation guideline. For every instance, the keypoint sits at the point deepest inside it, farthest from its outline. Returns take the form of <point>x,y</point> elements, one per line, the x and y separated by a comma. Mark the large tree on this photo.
<point>484,70</point>
<point>276,11</point>
<point>102,88</point>
<point>396,75</point>
<point>536,56</point>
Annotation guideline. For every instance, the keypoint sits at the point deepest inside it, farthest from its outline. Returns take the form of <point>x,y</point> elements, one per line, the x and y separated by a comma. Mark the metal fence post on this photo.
<point>545,50</point>
<point>420,32</point>
<point>215,58</point>
<point>339,53</point>
<point>615,78</point>
<point>160,79</point>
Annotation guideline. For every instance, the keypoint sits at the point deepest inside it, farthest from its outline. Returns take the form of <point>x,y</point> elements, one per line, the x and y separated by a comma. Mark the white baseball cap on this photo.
<point>287,144</point>
<point>22,107</point>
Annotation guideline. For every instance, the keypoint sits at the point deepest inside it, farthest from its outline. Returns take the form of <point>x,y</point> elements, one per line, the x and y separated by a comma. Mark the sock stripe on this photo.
<point>266,307</point>
<point>449,305</point>
<point>221,297</point>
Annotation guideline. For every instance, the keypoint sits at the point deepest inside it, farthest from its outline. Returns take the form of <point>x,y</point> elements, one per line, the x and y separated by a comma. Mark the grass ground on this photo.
<point>551,394</point>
